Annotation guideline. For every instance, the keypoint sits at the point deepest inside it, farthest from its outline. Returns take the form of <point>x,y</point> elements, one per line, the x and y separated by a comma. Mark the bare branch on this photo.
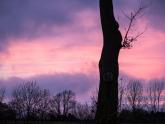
<point>2,94</point>
<point>128,40</point>
<point>155,91</point>
<point>134,93</point>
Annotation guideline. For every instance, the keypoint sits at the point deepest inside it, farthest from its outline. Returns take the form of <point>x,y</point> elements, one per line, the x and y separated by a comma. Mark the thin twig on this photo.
<point>127,41</point>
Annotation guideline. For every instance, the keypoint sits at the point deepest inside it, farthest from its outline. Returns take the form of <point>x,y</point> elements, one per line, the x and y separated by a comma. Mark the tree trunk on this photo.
<point>108,66</point>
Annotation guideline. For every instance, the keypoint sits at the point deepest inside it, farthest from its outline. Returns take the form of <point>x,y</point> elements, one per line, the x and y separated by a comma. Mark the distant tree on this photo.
<point>68,101</point>
<point>155,90</point>
<point>2,94</point>
<point>134,94</point>
<point>6,112</point>
<point>94,99</point>
<point>63,103</point>
<point>56,104</point>
<point>83,111</point>
<point>145,102</point>
<point>26,99</point>
<point>163,108</point>
<point>44,106</point>
<point>121,93</point>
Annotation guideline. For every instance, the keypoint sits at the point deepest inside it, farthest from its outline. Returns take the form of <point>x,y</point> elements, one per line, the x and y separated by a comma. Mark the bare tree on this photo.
<point>155,89</point>
<point>63,103</point>
<point>135,94</point>
<point>162,108</point>
<point>145,102</point>
<point>44,105</point>
<point>26,98</point>
<point>94,98</point>
<point>121,93</point>
<point>108,65</point>
<point>68,101</point>
<point>2,94</point>
<point>83,111</point>
<point>56,104</point>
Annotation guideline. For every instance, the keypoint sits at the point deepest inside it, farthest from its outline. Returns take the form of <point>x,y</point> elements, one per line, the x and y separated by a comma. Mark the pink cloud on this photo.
<point>77,48</point>
<point>146,58</point>
<point>33,58</point>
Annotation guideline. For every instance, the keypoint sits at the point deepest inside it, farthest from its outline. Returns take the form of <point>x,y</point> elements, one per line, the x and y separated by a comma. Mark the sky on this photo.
<point>58,43</point>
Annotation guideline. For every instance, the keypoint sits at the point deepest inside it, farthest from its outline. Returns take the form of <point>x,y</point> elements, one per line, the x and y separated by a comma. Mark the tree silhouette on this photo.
<point>28,98</point>
<point>83,111</point>
<point>155,90</point>
<point>121,93</point>
<point>108,65</point>
<point>56,104</point>
<point>135,94</point>
<point>63,103</point>
<point>6,112</point>
<point>2,94</point>
<point>68,101</point>
<point>30,102</point>
<point>44,106</point>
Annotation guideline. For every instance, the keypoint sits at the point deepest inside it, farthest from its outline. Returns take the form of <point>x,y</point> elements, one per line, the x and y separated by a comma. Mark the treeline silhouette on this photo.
<point>137,102</point>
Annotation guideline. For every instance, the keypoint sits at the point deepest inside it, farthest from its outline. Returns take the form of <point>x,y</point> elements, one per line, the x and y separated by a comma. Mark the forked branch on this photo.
<point>128,39</point>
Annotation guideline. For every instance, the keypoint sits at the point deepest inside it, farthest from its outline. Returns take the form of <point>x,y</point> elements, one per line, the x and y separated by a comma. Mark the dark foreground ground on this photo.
<point>41,122</point>
<point>54,122</point>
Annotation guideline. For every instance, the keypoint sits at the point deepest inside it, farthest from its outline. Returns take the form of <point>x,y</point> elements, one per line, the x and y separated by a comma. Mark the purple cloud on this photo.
<point>29,18</point>
<point>156,14</point>
<point>80,83</point>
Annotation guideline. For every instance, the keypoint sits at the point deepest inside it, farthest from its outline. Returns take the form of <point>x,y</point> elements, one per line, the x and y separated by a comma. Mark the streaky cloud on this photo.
<point>35,18</point>
<point>80,83</point>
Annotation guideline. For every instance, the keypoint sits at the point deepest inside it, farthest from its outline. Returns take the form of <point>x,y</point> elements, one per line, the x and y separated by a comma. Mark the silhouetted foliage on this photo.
<point>83,111</point>
<point>30,102</point>
<point>63,103</point>
<point>6,113</point>
<point>135,94</point>
<point>140,115</point>
<point>121,93</point>
<point>155,89</point>
<point>2,94</point>
<point>68,102</point>
<point>94,105</point>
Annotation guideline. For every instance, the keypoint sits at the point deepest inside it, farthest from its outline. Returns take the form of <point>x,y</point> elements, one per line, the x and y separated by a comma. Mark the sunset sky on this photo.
<point>57,43</point>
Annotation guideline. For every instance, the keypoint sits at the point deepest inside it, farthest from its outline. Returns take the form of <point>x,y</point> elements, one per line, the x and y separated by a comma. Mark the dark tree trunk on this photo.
<point>108,65</point>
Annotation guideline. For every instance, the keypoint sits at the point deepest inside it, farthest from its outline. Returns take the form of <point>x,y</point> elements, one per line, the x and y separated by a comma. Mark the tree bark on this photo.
<point>108,66</point>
